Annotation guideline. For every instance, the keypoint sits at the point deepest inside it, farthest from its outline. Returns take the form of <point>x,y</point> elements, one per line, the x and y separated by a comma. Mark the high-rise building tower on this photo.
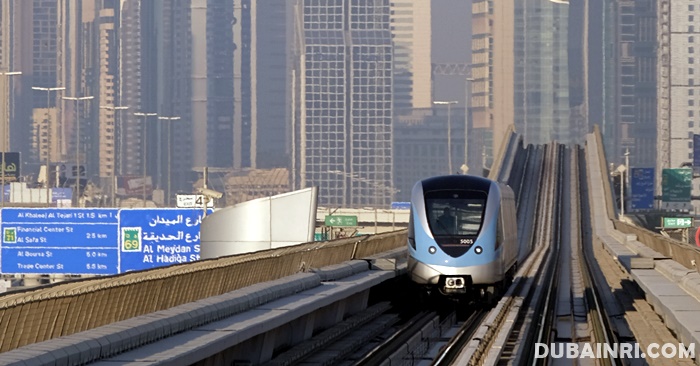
<point>28,43</point>
<point>345,81</point>
<point>78,72</point>
<point>174,98</point>
<point>678,88</point>
<point>411,32</point>
<point>10,105</point>
<point>44,39</point>
<point>110,114</point>
<point>263,38</point>
<point>520,66</point>
<point>130,70</point>
<point>630,79</point>
<point>212,83</point>
<point>541,76</point>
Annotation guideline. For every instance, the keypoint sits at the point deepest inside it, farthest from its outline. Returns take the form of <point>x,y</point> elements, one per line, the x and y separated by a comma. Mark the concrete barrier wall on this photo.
<point>67,308</point>
<point>498,160</point>
<point>607,186</point>
<point>678,251</point>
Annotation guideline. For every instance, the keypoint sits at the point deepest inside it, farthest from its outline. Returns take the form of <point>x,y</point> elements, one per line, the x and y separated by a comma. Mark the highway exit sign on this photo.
<point>677,222</point>
<point>341,220</point>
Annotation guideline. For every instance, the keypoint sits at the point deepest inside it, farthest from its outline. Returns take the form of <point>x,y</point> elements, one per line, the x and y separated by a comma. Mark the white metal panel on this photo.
<point>260,224</point>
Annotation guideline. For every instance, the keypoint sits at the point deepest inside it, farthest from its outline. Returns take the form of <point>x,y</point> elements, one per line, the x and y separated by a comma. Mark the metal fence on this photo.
<point>65,308</point>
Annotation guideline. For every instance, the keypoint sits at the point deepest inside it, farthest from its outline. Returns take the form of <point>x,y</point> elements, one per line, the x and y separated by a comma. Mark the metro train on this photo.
<point>462,237</point>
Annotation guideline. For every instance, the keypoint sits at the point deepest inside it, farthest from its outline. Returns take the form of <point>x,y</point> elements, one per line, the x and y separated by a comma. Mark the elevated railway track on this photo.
<point>347,302</point>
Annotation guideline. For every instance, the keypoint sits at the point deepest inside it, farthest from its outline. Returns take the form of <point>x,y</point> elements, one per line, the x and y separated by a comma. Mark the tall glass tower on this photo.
<point>345,97</point>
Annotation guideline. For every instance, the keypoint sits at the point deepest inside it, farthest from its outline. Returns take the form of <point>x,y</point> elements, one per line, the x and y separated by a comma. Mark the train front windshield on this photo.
<point>455,213</point>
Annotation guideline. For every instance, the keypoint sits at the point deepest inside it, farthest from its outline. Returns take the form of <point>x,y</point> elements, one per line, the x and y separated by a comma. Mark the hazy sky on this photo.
<point>451,43</point>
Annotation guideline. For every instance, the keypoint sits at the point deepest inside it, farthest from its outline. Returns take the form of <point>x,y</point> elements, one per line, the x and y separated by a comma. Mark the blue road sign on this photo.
<point>152,238</point>
<point>642,188</point>
<point>61,194</point>
<point>401,205</point>
<point>59,241</point>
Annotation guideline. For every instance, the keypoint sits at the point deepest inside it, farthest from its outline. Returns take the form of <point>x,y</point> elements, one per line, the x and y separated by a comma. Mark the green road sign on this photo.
<point>10,235</point>
<point>320,237</point>
<point>676,184</point>
<point>131,239</point>
<point>677,222</point>
<point>341,220</point>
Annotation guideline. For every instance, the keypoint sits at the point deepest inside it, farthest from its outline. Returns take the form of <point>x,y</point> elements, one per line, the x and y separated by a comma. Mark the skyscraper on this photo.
<point>345,81</point>
<point>263,33</point>
<point>630,77</point>
<point>130,86</point>
<point>174,97</point>
<point>411,32</point>
<point>212,83</point>
<point>109,132</point>
<point>520,66</point>
<point>678,116</point>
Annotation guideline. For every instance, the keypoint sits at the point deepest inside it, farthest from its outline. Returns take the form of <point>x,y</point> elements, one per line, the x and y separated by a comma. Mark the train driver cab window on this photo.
<point>455,213</point>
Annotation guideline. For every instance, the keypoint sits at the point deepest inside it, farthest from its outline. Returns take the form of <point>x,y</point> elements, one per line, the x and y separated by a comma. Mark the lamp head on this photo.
<point>210,193</point>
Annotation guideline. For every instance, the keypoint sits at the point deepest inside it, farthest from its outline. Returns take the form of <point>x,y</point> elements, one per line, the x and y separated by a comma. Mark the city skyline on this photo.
<point>161,89</point>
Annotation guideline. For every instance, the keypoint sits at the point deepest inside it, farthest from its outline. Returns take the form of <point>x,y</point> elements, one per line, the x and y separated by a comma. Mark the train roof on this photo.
<point>456,182</point>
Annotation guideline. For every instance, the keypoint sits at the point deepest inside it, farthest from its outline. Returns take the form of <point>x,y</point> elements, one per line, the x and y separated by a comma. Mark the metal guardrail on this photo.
<point>66,308</point>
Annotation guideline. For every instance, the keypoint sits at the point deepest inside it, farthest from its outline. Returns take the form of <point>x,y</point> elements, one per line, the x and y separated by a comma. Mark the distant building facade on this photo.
<point>420,147</point>
<point>631,75</point>
<point>174,97</point>
<point>678,87</point>
<point>345,84</point>
<point>248,184</point>
<point>520,68</point>
<point>130,67</point>
<point>411,32</point>
<point>263,37</point>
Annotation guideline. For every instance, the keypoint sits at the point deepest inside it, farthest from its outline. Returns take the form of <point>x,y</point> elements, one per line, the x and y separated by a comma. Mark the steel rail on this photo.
<point>525,277</point>
<point>464,335</point>
<point>380,353</point>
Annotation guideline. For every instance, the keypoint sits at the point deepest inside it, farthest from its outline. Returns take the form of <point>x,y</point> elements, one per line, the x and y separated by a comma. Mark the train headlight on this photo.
<point>478,250</point>
<point>432,250</point>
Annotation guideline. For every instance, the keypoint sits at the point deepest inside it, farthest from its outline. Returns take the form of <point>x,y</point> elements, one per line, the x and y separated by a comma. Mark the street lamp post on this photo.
<point>117,147</point>
<point>169,155</point>
<point>449,131</point>
<point>48,135</point>
<point>627,166</point>
<point>145,129</point>
<point>621,170</point>
<point>6,128</point>
<point>77,142</point>
<point>467,124</point>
